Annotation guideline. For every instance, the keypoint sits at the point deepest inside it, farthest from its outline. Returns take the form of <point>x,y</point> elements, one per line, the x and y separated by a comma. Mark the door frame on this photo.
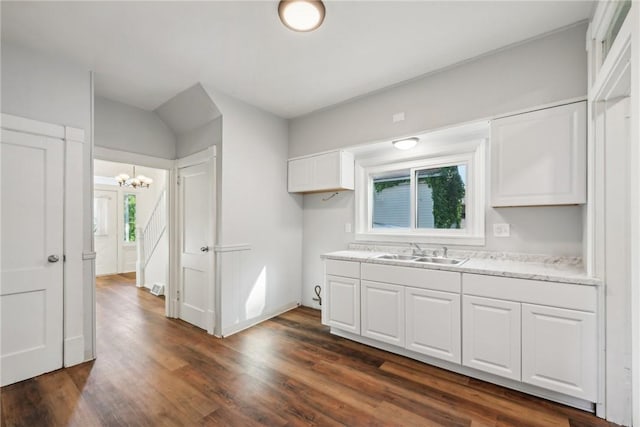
<point>614,77</point>
<point>207,155</point>
<point>74,252</point>
<point>108,154</point>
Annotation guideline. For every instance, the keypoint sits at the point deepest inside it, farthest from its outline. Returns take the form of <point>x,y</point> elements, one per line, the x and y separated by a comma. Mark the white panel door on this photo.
<point>343,304</point>
<point>491,336</point>
<point>383,312</point>
<point>196,222</point>
<point>433,323</point>
<point>32,255</point>
<point>105,231</point>
<point>559,350</point>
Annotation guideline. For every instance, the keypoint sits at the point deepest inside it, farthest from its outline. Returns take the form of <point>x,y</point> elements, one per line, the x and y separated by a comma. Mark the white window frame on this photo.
<point>470,153</point>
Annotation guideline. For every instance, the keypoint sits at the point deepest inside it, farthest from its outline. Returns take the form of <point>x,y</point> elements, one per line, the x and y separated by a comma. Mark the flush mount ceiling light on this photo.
<point>301,15</point>
<point>406,144</point>
<point>141,181</point>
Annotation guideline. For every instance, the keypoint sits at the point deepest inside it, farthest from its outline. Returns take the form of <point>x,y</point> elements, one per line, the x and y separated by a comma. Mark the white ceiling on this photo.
<point>144,53</point>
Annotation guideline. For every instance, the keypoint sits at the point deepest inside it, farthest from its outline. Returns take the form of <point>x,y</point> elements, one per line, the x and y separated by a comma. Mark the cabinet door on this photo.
<point>343,303</point>
<point>539,158</point>
<point>383,312</point>
<point>326,171</point>
<point>491,336</point>
<point>559,350</point>
<point>300,175</point>
<point>433,323</point>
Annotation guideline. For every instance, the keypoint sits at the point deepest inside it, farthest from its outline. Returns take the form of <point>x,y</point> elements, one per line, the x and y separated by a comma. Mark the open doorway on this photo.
<point>131,224</point>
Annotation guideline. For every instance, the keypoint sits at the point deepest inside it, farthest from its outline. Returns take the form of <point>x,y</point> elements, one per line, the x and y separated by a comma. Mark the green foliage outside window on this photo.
<point>129,217</point>
<point>447,191</point>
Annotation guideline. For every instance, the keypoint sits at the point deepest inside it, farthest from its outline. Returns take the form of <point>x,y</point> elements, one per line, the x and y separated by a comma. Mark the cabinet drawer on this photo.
<point>342,268</point>
<point>447,281</point>
<point>577,297</point>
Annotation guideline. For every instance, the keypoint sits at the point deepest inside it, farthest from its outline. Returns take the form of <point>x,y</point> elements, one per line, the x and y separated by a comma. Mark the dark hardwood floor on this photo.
<point>152,371</point>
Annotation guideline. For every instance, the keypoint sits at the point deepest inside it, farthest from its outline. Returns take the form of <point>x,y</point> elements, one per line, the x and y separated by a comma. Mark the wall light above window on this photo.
<point>406,144</point>
<point>301,15</point>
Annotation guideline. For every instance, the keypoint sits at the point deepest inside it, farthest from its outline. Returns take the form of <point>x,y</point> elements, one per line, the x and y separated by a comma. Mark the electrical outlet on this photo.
<point>347,227</point>
<point>501,230</point>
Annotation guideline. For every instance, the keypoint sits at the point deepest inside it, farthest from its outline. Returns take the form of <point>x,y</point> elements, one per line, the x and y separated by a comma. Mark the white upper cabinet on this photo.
<point>539,158</point>
<point>322,172</point>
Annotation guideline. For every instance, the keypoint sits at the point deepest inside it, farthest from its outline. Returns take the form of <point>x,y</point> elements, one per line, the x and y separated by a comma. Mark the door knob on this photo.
<point>53,258</point>
<point>204,249</point>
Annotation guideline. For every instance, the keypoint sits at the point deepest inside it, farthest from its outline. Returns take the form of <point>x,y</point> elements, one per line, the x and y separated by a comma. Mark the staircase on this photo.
<point>148,237</point>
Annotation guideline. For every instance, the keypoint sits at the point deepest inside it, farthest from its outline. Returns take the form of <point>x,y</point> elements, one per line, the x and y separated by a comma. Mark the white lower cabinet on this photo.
<point>383,312</point>
<point>343,303</point>
<point>491,336</point>
<point>433,323</point>
<point>559,350</point>
<point>498,325</point>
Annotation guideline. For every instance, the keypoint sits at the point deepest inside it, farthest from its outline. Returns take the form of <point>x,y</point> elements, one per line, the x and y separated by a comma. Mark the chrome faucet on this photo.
<point>444,251</point>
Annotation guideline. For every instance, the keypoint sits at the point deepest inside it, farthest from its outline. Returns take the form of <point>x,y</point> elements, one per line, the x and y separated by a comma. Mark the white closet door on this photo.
<point>32,255</point>
<point>196,221</point>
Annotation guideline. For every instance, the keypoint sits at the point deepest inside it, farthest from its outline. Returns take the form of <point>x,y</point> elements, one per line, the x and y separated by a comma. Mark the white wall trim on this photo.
<point>234,329</point>
<point>74,201</point>
<point>119,156</point>
<point>34,127</point>
<point>73,351</point>
<point>232,248</point>
<point>74,134</point>
<point>197,158</point>
<point>605,83</point>
<point>472,153</point>
<point>634,214</point>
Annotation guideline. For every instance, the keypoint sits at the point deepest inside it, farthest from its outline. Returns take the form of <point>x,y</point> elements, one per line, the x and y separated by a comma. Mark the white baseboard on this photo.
<point>241,326</point>
<point>74,351</point>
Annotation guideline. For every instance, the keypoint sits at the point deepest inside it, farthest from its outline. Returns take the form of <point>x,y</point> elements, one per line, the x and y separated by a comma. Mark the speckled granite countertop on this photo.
<point>551,269</point>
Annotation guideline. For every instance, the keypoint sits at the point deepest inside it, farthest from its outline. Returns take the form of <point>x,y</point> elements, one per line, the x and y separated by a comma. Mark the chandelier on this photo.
<point>141,181</point>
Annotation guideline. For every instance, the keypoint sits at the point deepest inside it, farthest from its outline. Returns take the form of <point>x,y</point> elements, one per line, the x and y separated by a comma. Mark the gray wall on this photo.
<point>256,209</point>
<point>200,138</point>
<point>44,87</point>
<point>538,72</point>
<point>541,71</point>
<point>126,128</point>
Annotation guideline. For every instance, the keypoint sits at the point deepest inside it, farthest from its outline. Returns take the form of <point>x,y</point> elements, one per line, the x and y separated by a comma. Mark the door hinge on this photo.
<point>178,179</point>
<point>64,258</point>
<point>178,296</point>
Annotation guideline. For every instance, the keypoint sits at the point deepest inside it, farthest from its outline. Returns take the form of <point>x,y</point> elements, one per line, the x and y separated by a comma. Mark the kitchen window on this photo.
<point>434,199</point>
